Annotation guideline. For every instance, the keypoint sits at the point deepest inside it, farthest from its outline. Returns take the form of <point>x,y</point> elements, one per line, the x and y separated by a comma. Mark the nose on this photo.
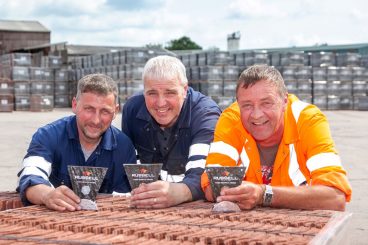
<point>161,101</point>
<point>96,118</point>
<point>256,112</point>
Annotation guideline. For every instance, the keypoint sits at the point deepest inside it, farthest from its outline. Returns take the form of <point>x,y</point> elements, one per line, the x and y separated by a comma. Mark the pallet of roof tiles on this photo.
<point>211,73</point>
<point>42,88</point>
<point>9,200</point>
<point>346,74</point>
<point>36,73</point>
<point>6,102</point>
<point>348,59</point>
<point>5,71</point>
<point>319,59</point>
<point>61,75</point>
<point>20,73</point>
<point>219,58</point>
<point>292,58</point>
<point>61,101</point>
<point>319,74</point>
<point>229,88</point>
<point>40,103</point>
<point>231,72</point>
<point>6,86</point>
<point>211,87</point>
<point>360,103</point>
<point>17,59</point>
<point>185,59</point>
<point>189,223</point>
<point>256,58</point>
<point>22,102</point>
<point>320,100</point>
<point>359,88</point>
<point>289,72</point>
<point>136,56</point>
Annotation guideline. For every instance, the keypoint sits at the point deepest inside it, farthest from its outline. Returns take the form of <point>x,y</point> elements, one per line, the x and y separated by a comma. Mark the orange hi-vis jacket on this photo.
<point>306,154</point>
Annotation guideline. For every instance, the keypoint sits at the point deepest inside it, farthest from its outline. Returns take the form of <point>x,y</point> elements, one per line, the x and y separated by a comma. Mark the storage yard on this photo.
<point>332,81</point>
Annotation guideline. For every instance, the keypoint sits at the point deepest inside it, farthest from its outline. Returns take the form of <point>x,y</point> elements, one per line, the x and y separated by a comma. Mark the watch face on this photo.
<point>267,198</point>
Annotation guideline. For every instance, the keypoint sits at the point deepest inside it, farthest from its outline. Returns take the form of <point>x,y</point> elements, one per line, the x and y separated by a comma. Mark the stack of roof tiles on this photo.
<point>9,200</point>
<point>190,223</point>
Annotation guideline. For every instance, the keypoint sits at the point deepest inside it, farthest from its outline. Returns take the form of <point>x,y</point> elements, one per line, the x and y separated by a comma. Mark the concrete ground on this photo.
<point>349,130</point>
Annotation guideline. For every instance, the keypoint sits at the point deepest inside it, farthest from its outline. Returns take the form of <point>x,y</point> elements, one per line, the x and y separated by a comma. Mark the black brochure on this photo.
<point>142,173</point>
<point>224,176</point>
<point>86,181</point>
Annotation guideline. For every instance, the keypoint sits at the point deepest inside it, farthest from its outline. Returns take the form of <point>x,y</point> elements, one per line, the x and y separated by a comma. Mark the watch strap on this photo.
<point>267,196</point>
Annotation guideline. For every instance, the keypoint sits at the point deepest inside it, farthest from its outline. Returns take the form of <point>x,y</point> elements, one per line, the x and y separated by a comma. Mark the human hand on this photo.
<point>159,194</point>
<point>62,198</point>
<point>247,195</point>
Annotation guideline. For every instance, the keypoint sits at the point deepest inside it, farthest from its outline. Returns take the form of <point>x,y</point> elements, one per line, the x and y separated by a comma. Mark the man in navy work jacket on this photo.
<point>170,123</point>
<point>84,139</point>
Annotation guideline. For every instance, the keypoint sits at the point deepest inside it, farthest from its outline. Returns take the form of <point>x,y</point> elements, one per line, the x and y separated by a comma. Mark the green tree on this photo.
<point>183,43</point>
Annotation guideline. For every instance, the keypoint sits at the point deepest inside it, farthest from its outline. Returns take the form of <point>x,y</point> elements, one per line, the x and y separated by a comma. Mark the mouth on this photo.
<point>94,127</point>
<point>259,123</point>
<point>162,110</point>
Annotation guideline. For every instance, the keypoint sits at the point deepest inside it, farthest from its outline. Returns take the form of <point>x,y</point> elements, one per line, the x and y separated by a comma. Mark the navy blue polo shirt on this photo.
<point>56,145</point>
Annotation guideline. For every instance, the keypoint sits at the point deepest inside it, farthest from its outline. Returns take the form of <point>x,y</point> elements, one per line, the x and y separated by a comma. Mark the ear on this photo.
<point>185,90</point>
<point>117,109</point>
<point>285,101</point>
<point>74,105</point>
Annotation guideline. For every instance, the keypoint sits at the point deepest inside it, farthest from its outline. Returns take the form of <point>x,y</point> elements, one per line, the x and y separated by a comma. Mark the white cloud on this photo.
<point>262,23</point>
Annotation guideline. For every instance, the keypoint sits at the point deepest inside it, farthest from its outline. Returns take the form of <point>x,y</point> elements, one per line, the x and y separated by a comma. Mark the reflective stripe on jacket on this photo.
<point>306,154</point>
<point>189,145</point>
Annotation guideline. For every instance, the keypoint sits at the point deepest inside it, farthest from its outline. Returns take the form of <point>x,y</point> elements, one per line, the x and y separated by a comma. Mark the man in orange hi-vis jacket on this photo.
<point>285,145</point>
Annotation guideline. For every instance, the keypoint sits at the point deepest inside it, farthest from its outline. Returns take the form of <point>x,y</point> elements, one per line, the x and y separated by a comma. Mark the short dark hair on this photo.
<point>99,84</point>
<point>256,73</point>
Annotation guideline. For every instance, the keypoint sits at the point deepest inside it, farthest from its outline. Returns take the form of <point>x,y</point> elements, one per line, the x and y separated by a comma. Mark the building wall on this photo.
<point>10,40</point>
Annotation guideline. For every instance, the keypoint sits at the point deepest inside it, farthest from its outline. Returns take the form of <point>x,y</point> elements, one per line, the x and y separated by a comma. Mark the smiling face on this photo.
<point>262,112</point>
<point>94,115</point>
<point>164,99</point>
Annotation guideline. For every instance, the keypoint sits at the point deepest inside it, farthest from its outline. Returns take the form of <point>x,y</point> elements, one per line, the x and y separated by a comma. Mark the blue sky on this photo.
<point>262,23</point>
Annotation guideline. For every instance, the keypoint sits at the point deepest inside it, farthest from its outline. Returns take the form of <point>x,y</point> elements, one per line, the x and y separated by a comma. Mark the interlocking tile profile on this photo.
<point>9,200</point>
<point>189,223</point>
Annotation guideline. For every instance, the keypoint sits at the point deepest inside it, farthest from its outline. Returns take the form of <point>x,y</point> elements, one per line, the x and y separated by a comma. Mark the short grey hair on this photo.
<point>256,73</point>
<point>98,84</point>
<point>165,67</point>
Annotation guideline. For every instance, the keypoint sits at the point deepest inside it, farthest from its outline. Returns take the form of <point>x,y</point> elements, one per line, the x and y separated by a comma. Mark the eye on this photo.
<point>171,93</point>
<point>151,93</point>
<point>89,109</point>
<point>106,112</point>
<point>267,104</point>
<point>246,106</point>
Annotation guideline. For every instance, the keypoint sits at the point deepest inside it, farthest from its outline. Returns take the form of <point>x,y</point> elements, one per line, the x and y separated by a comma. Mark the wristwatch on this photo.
<point>267,196</point>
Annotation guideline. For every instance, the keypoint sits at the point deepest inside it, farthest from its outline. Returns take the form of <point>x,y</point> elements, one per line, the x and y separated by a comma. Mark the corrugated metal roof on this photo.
<point>22,25</point>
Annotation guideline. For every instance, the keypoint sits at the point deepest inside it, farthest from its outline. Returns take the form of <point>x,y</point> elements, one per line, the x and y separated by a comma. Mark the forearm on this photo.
<point>308,197</point>
<point>180,193</point>
<point>36,194</point>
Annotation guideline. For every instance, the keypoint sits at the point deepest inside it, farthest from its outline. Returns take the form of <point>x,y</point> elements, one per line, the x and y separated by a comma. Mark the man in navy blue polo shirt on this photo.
<point>170,123</point>
<point>84,139</point>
